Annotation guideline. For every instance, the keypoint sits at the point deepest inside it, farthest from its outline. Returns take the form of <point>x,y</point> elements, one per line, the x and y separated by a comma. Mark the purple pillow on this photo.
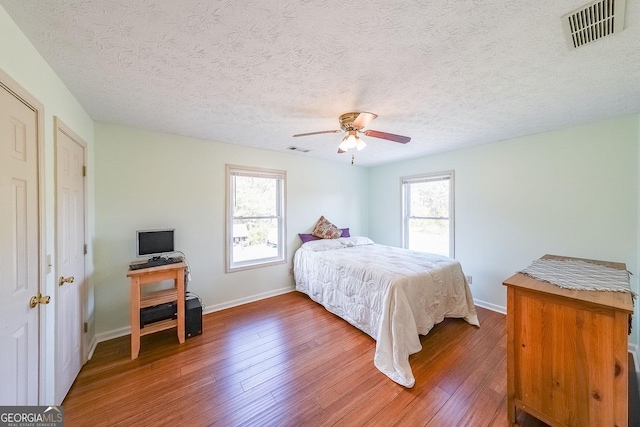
<point>309,237</point>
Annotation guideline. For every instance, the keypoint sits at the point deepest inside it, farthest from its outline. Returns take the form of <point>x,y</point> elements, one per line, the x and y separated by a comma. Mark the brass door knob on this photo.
<point>64,280</point>
<point>40,299</point>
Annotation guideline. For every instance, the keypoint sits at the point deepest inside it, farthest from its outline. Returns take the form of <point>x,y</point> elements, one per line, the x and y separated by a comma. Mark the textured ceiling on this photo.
<point>450,74</point>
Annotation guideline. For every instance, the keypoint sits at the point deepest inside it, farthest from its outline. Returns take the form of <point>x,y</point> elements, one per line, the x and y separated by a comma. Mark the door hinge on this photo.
<point>85,248</point>
<point>86,327</point>
<point>84,171</point>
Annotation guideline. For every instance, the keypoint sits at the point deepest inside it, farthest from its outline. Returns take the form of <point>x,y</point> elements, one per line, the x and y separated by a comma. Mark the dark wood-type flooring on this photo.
<point>286,361</point>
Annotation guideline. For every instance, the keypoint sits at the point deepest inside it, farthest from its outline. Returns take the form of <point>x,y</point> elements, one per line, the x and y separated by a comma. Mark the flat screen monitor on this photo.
<point>154,243</point>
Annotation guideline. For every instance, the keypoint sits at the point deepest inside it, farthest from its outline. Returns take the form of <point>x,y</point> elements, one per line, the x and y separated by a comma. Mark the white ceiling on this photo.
<point>450,74</point>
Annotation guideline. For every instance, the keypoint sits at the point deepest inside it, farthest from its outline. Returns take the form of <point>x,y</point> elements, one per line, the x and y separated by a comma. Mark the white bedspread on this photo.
<point>390,293</point>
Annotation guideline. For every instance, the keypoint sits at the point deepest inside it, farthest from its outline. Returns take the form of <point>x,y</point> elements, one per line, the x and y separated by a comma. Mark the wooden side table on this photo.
<point>144,276</point>
<point>567,352</point>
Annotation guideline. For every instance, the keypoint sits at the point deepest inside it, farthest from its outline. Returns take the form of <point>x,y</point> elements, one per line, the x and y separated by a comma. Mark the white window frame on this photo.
<point>281,177</point>
<point>405,182</point>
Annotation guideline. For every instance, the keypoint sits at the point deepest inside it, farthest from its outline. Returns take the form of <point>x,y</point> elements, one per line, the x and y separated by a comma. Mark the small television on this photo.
<point>154,243</point>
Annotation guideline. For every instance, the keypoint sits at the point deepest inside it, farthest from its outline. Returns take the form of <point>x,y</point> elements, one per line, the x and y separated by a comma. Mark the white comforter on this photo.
<point>392,294</point>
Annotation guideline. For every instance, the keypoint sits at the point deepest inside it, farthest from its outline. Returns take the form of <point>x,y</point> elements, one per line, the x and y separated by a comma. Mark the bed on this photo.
<point>392,294</point>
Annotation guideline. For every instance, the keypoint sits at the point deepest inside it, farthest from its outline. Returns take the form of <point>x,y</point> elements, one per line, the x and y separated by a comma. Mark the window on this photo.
<point>427,205</point>
<point>255,217</point>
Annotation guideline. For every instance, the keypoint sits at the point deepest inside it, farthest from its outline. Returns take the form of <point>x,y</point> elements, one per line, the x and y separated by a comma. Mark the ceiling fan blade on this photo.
<point>318,133</point>
<point>389,136</point>
<point>363,119</point>
<point>340,150</point>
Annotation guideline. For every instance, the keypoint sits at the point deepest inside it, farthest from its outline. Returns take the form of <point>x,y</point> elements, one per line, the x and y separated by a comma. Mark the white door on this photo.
<point>70,240</point>
<point>19,250</point>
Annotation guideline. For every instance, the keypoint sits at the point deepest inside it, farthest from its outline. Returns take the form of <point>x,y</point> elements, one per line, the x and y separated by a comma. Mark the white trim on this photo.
<point>121,332</point>
<point>406,181</point>
<point>44,345</point>
<point>246,300</point>
<point>281,216</point>
<point>489,306</point>
<point>92,347</point>
<point>109,335</point>
<point>256,172</point>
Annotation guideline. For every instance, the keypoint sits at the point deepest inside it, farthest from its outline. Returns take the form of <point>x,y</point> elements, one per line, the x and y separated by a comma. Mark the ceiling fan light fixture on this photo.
<point>351,141</point>
<point>344,145</point>
<point>360,144</point>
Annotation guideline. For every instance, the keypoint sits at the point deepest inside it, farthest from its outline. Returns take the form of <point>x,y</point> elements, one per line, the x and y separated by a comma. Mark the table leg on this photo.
<point>135,317</point>
<point>181,299</point>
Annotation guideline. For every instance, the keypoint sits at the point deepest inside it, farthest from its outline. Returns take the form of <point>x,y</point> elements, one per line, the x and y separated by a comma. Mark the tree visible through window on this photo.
<point>428,213</point>
<point>255,227</point>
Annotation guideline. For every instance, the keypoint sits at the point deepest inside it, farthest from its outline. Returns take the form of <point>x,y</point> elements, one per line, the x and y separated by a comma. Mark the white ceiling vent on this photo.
<point>593,21</point>
<point>294,148</point>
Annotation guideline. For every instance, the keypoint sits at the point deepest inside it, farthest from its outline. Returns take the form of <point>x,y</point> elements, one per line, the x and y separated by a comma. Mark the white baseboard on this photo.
<point>92,347</point>
<point>490,306</point>
<point>246,300</point>
<point>115,333</point>
<point>121,332</point>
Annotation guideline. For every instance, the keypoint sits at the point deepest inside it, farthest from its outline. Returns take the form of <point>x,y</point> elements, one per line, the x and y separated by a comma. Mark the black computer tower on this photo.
<point>193,320</point>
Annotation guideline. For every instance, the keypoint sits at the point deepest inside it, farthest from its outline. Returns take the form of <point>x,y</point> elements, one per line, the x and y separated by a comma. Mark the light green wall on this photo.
<point>20,60</point>
<point>147,180</point>
<point>570,192</point>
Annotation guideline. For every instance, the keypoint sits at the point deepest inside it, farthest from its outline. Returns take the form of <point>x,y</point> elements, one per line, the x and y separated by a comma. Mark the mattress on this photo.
<point>392,294</point>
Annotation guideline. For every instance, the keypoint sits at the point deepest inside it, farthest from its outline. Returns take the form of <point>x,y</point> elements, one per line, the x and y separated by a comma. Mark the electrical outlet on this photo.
<point>469,279</point>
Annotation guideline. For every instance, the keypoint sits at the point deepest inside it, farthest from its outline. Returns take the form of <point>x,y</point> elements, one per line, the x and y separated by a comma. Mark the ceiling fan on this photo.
<point>353,123</point>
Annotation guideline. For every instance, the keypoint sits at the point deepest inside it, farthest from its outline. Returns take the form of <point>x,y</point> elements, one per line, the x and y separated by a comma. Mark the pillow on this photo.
<point>309,237</point>
<point>326,230</point>
<point>356,241</point>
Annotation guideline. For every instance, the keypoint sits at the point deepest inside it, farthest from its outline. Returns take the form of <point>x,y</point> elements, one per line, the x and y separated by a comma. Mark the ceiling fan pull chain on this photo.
<point>352,159</point>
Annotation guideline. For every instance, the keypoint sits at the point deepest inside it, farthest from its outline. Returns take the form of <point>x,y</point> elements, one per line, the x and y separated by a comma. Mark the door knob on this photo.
<point>64,280</point>
<point>40,299</point>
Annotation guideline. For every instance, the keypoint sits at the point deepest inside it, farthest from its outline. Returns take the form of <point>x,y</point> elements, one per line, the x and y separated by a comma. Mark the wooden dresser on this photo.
<point>567,352</point>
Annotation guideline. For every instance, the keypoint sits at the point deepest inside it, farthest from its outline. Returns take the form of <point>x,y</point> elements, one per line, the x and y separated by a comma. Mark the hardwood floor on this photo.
<point>286,361</point>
